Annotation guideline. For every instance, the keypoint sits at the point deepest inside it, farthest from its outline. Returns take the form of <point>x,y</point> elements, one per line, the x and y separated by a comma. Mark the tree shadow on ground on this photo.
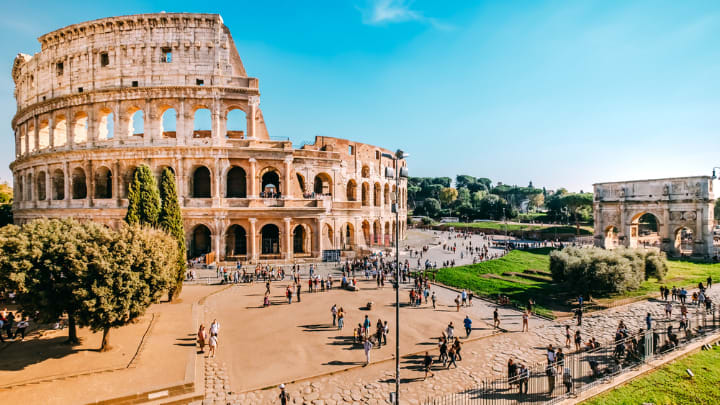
<point>20,354</point>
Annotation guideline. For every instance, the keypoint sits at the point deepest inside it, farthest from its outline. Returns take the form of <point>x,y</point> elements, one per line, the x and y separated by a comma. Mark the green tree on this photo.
<point>443,181</point>
<point>463,180</point>
<point>143,198</point>
<point>170,220</point>
<point>448,195</point>
<point>536,200</point>
<point>6,193</point>
<point>463,195</point>
<point>130,270</point>
<point>431,207</point>
<point>6,215</point>
<point>575,202</point>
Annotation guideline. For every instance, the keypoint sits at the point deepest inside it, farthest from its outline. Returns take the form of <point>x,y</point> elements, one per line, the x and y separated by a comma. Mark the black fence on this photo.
<point>549,383</point>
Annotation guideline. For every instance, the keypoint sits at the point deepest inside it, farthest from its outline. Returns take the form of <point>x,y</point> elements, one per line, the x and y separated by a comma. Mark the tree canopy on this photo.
<point>143,198</point>
<point>170,220</point>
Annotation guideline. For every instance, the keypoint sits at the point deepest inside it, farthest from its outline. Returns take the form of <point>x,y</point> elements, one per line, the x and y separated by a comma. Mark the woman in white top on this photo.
<point>213,345</point>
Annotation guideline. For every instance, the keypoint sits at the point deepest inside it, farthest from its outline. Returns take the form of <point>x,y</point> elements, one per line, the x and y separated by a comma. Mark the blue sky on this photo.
<point>561,93</point>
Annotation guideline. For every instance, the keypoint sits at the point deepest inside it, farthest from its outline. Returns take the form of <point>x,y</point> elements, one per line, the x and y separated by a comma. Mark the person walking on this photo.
<point>567,336</point>
<point>21,327</point>
<point>213,345</point>
<point>341,318</point>
<point>458,348</point>
<point>457,303</point>
<point>333,311</point>
<point>578,340</point>
<point>567,380</point>
<point>579,315</point>
<point>367,345</point>
<point>468,326</point>
<point>433,299</point>
<point>524,378</point>
<point>427,363</point>
<point>450,331</point>
<point>202,338</point>
<point>648,321</point>
<point>284,396</point>
<point>297,291</point>
<point>668,310</point>
<point>214,327</point>
<point>496,319</point>
<point>525,324</point>
<point>386,330</point>
<point>451,357</point>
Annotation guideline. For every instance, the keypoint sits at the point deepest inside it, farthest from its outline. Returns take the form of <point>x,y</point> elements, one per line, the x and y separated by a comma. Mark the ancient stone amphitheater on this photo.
<point>170,90</point>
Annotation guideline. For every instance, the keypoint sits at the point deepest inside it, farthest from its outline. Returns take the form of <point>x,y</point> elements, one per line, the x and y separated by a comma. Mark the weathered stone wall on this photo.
<point>76,151</point>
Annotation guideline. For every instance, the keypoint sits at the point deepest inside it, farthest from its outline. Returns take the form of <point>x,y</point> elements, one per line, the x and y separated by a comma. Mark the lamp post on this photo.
<point>397,173</point>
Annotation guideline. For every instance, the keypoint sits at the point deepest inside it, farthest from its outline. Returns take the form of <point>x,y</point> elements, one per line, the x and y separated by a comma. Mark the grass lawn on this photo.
<point>671,385</point>
<point>544,229</point>
<point>549,296</point>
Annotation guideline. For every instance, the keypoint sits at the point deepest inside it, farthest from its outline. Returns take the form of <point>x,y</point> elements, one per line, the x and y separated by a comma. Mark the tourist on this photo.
<point>333,311</point>
<point>567,380</point>
<point>214,328</point>
<point>468,326</point>
<point>579,315</point>
<point>512,370</point>
<point>341,319</point>
<point>457,303</point>
<point>709,282</point>
<point>284,396</point>
<point>559,360</point>
<point>470,298</point>
<point>550,356</point>
<point>288,294</point>
<point>464,297</point>
<point>578,340</point>
<point>386,330</point>
<point>451,357</point>
<point>21,327</point>
<point>567,336</point>
<point>525,324</point>
<point>668,310</point>
<point>524,378</point>
<point>443,351</point>
<point>450,331</point>
<point>496,319</point>
<point>427,363</point>
<point>213,344</point>
<point>550,372</point>
<point>267,287</point>
<point>202,338</point>
<point>297,292</point>
<point>9,319</point>
<point>266,300</point>
<point>367,346</point>
<point>366,325</point>
<point>648,321</point>
<point>458,348</point>
<point>433,299</point>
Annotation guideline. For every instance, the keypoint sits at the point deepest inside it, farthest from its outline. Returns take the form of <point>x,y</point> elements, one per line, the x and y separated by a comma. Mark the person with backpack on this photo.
<point>427,363</point>
<point>284,396</point>
<point>468,326</point>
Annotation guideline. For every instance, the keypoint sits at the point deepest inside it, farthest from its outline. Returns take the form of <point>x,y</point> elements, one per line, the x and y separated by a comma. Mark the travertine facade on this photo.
<point>682,205</point>
<point>96,101</point>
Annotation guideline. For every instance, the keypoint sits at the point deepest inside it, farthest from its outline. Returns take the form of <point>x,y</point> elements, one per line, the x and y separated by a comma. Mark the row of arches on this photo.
<point>645,231</point>
<point>104,123</point>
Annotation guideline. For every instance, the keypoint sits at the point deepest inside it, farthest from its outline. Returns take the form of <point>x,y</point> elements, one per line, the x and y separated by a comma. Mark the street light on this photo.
<point>715,176</point>
<point>397,174</point>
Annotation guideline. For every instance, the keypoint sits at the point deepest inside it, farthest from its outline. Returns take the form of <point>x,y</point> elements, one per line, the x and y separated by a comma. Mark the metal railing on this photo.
<point>549,383</point>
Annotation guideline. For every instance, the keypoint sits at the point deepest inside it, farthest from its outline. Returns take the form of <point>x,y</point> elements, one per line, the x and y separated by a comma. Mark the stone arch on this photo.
<point>377,233</point>
<point>394,231</point>
<point>236,183</point>
<point>31,138</point>
<point>301,182</point>
<point>683,241</point>
<point>43,134</point>
<point>387,233</point>
<point>201,241</point>
<point>386,194</point>
<point>351,190</point>
<point>365,194</point>
<point>168,122</point>
<point>79,184</point>
<point>270,182</point>
<point>611,236</point>
<point>136,122</point>
<point>270,239</point>
<point>106,124</point>
<point>327,237</point>
<point>103,182</point>
<point>202,122</point>
<point>365,171</point>
<point>58,185</point>
<point>60,131</point>
<point>376,195</point>
<point>366,232</point>
<point>236,123</point>
<point>80,127</point>
<point>235,241</point>
<point>322,185</point>
<point>299,239</point>
<point>201,183</point>
<point>347,236</point>
<point>23,137</point>
<point>41,183</point>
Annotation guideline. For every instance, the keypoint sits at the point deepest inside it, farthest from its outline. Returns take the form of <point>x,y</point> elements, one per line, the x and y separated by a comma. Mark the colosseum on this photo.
<point>170,90</point>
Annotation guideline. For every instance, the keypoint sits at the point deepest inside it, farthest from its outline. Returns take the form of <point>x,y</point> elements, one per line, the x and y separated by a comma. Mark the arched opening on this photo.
<point>103,182</point>
<point>611,237</point>
<point>58,185</point>
<point>377,194</point>
<point>299,239</point>
<point>270,239</point>
<point>270,184</point>
<point>236,183</point>
<point>386,238</point>
<point>377,234</point>
<point>60,131</point>
<point>235,241</point>
<point>128,178</point>
<point>80,128</point>
<point>79,184</point>
<point>366,233</point>
<point>23,138</point>
<point>106,128</point>
<point>365,194</point>
<point>386,194</point>
<point>40,180</point>
<point>168,124</point>
<point>20,189</point>
<point>322,184</point>
<point>43,135</point>
<point>644,231</point>
<point>201,183</point>
<point>352,190</point>
<point>236,123</point>
<point>327,237</point>
<point>201,241</point>
<point>29,187</point>
<point>347,236</point>
<point>301,184</point>
<point>31,138</point>
<point>684,241</point>
<point>394,232</point>
<point>365,172</point>
<point>136,125</point>
<point>202,123</point>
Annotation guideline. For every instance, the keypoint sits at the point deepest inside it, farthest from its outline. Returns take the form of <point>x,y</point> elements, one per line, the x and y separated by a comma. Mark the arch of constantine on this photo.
<point>675,214</point>
<point>169,90</point>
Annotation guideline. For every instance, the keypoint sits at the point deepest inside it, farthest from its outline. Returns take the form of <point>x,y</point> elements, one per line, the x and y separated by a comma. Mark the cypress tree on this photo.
<point>143,198</point>
<point>170,221</point>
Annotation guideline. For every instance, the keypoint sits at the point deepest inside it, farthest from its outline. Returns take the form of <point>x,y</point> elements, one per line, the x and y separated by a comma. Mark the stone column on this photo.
<point>36,134</point>
<point>69,130</point>
<point>48,185</point>
<point>319,239</point>
<point>180,131</point>
<point>253,253</point>
<point>286,250</point>
<point>253,102</point>
<point>219,231</point>
<point>66,185</point>
<point>149,124</point>
<point>286,189</point>
<point>215,123</point>
<point>92,128</point>
<point>699,234</point>
<point>253,179</point>
<point>18,136</point>
<point>51,132</point>
<point>116,176</point>
<point>90,183</point>
<point>180,180</point>
<point>215,178</point>
<point>666,240</point>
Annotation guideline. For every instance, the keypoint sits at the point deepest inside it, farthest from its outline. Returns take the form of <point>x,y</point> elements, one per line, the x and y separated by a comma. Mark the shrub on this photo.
<point>596,270</point>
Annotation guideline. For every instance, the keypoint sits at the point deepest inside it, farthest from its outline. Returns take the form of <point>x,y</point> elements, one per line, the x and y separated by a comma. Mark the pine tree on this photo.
<point>143,198</point>
<point>171,222</point>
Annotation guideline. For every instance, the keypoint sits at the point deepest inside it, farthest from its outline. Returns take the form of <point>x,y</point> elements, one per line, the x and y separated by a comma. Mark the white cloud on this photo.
<point>382,12</point>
